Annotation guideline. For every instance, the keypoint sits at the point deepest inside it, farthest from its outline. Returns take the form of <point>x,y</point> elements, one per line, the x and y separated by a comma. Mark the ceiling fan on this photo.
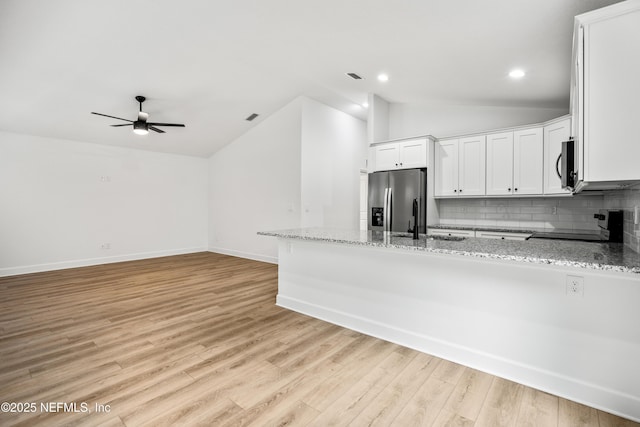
<point>141,126</point>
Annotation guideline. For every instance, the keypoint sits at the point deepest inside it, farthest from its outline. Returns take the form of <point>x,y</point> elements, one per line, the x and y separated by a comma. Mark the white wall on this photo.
<point>377,119</point>
<point>298,167</point>
<point>60,201</point>
<point>254,185</point>
<point>443,120</point>
<point>333,152</point>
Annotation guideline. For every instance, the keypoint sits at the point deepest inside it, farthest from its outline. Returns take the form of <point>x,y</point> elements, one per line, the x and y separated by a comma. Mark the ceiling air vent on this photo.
<point>354,76</point>
<point>251,117</point>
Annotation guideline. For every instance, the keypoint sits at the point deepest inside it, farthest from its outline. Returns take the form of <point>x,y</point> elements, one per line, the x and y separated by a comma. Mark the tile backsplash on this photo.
<point>548,213</point>
<point>539,213</point>
<point>626,200</point>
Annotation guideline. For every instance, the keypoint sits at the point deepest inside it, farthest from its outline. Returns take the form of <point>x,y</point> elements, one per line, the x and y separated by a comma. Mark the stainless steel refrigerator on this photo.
<point>396,198</point>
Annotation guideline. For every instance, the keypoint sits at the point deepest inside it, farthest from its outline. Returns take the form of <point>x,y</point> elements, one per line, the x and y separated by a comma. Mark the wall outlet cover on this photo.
<point>575,285</point>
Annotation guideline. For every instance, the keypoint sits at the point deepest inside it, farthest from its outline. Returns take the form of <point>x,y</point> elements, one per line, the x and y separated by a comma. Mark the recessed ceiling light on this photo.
<point>516,74</point>
<point>365,105</point>
<point>383,77</point>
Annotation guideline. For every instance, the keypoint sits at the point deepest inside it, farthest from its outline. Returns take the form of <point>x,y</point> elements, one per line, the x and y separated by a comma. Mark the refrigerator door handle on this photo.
<point>384,210</point>
<point>388,212</point>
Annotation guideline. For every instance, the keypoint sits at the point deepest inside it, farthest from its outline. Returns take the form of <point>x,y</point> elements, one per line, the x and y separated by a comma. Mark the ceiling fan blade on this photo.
<point>113,117</point>
<point>142,116</point>
<point>125,124</point>
<point>156,129</point>
<point>166,124</point>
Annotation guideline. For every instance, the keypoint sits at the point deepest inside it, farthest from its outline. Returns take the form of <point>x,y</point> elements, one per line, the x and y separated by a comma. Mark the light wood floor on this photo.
<point>197,340</point>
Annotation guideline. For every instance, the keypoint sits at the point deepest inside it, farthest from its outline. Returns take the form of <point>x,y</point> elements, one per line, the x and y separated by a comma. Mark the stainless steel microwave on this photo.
<point>567,169</point>
<point>565,165</point>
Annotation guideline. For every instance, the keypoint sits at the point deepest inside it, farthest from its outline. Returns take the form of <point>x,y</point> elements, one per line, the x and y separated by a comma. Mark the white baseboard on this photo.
<point>551,382</point>
<point>248,255</point>
<point>36,268</point>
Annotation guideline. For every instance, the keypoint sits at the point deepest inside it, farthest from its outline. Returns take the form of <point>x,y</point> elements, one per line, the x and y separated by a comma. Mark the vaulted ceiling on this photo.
<point>211,63</point>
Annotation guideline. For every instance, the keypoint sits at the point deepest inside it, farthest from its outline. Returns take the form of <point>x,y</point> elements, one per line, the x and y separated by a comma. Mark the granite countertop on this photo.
<point>601,256</point>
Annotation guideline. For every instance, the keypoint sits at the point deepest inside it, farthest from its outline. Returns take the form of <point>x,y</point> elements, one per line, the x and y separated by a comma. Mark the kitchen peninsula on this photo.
<point>561,317</point>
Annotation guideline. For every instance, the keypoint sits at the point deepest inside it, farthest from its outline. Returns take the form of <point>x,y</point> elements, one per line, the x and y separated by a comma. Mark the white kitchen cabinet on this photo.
<point>500,164</point>
<point>460,167</point>
<point>527,161</point>
<point>387,157</point>
<point>413,153</point>
<point>515,163</point>
<point>446,168</point>
<point>406,154</point>
<point>605,92</point>
<point>502,235</point>
<point>472,166</point>
<point>554,134</point>
<point>450,232</point>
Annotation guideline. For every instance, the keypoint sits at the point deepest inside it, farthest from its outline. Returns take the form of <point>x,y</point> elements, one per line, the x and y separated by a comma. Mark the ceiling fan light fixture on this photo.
<point>140,128</point>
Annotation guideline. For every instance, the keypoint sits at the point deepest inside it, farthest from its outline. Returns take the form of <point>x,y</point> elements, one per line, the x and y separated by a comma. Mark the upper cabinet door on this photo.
<point>408,154</point>
<point>611,86</point>
<point>387,157</point>
<point>527,161</point>
<point>472,166</point>
<point>446,167</point>
<point>500,164</point>
<point>554,134</point>
<point>413,154</point>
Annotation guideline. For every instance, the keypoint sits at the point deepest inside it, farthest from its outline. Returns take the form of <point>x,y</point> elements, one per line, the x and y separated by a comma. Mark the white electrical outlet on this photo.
<point>575,285</point>
<point>105,246</point>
